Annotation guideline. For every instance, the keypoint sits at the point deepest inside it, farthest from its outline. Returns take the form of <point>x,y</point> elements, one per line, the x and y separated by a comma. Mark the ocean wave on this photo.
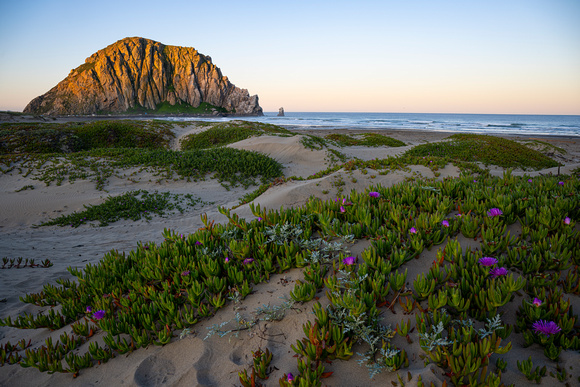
<point>514,125</point>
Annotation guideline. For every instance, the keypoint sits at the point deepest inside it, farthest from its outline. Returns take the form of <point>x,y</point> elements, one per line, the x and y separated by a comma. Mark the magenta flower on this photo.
<point>560,183</point>
<point>349,261</point>
<point>186,272</point>
<point>498,271</point>
<point>374,194</point>
<point>260,219</point>
<point>445,223</point>
<point>89,309</point>
<point>198,243</point>
<point>492,213</point>
<point>537,302</point>
<point>487,261</point>
<point>247,261</point>
<point>227,259</point>
<point>342,209</point>
<point>413,230</point>
<point>290,377</point>
<point>566,220</point>
<point>546,327</point>
<point>529,180</point>
<point>99,314</point>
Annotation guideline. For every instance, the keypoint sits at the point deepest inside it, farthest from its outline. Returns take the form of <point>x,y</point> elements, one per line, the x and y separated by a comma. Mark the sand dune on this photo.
<point>193,360</point>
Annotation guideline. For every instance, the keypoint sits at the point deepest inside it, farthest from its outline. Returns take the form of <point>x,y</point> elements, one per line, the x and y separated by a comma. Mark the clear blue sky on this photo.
<point>516,56</point>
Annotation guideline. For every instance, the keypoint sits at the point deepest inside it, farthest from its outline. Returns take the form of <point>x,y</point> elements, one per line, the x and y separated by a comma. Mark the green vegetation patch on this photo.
<point>485,149</point>
<point>84,67</point>
<point>133,205</point>
<point>81,136</point>
<point>180,108</point>
<point>230,166</point>
<point>364,139</point>
<point>228,133</point>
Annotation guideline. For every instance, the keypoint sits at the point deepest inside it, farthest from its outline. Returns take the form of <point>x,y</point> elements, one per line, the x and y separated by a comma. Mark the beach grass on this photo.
<point>364,139</point>
<point>488,150</point>
<point>133,205</point>
<point>229,132</point>
<point>76,136</point>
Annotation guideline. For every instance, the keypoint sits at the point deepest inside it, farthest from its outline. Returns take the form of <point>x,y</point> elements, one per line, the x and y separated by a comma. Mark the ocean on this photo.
<point>510,124</point>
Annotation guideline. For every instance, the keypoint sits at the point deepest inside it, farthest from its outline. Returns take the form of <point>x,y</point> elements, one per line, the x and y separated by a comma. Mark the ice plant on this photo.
<point>227,259</point>
<point>99,314</point>
<point>186,272</point>
<point>546,327</point>
<point>445,223</point>
<point>247,261</point>
<point>536,302</point>
<point>529,180</point>
<point>198,243</point>
<point>89,309</point>
<point>497,272</point>
<point>342,209</point>
<point>560,183</point>
<point>492,213</point>
<point>290,377</point>
<point>413,230</point>
<point>566,220</point>
<point>349,261</point>
<point>374,194</point>
<point>487,261</point>
<point>260,219</point>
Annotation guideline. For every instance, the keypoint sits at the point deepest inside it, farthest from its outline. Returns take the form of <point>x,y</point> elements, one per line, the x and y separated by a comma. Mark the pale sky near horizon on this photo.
<point>424,56</point>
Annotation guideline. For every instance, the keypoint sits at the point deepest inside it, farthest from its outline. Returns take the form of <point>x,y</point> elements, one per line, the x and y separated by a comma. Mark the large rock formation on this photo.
<point>141,73</point>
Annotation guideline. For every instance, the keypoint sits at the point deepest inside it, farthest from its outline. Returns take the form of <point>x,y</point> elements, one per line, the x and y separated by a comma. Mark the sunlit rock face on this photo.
<point>137,72</point>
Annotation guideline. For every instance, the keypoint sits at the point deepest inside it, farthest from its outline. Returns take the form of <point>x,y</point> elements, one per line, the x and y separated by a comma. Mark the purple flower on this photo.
<point>290,377</point>
<point>89,309</point>
<point>227,259</point>
<point>566,220</point>
<point>259,219</point>
<point>487,261</point>
<point>349,261</point>
<point>99,314</point>
<point>497,272</point>
<point>492,213</point>
<point>546,327</point>
<point>445,223</point>
<point>412,230</point>
<point>529,180</point>
<point>198,243</point>
<point>537,302</point>
<point>475,181</point>
<point>560,183</point>
<point>374,194</point>
<point>342,209</point>
<point>247,261</point>
<point>185,273</point>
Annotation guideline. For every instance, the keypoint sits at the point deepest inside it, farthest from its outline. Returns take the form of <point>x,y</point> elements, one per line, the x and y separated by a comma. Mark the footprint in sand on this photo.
<point>154,371</point>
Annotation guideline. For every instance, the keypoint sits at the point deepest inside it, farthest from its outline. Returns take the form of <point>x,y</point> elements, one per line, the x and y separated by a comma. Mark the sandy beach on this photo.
<point>216,361</point>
